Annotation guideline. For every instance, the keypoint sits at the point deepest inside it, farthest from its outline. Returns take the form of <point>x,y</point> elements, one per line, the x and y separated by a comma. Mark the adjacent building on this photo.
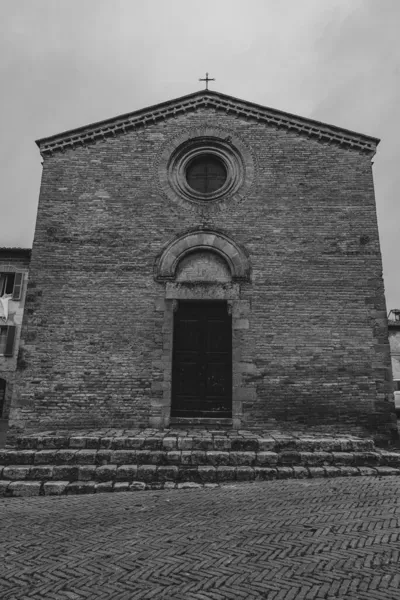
<point>14,266</point>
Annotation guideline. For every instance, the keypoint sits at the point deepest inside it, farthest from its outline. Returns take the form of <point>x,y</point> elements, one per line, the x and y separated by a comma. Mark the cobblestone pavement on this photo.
<point>277,540</point>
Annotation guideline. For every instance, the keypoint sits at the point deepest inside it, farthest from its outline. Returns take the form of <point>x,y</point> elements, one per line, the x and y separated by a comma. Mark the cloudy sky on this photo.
<point>66,63</point>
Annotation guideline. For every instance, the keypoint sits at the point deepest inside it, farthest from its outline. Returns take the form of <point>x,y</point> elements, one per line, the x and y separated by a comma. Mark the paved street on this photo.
<point>282,540</point>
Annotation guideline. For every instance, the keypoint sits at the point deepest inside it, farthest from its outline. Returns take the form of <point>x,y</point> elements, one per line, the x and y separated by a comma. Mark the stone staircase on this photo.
<point>82,462</point>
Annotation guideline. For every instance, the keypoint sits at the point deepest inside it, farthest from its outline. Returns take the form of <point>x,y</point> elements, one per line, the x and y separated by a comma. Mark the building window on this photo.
<point>206,174</point>
<point>396,384</point>
<point>11,283</point>
<point>7,337</point>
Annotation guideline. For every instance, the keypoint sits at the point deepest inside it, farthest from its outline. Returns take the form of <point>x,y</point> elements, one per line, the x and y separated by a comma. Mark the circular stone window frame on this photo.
<point>179,152</point>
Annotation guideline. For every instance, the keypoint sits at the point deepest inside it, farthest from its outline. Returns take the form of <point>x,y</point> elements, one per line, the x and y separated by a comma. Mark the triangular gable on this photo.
<point>207,98</point>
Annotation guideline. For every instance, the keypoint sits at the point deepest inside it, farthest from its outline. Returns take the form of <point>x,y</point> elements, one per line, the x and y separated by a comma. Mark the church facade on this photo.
<point>211,262</point>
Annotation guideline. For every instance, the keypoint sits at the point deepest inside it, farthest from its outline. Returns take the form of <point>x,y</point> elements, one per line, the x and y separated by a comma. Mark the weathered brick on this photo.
<point>15,473</point>
<point>126,473</point>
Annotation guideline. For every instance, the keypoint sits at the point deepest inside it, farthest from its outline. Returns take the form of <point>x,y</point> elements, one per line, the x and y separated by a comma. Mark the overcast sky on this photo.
<point>67,63</point>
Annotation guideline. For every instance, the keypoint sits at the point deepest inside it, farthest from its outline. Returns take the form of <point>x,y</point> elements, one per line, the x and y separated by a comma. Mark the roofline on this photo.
<point>101,129</point>
<point>26,252</point>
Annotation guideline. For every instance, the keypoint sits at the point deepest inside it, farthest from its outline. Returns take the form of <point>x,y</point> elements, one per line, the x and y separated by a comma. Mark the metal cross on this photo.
<point>207,79</point>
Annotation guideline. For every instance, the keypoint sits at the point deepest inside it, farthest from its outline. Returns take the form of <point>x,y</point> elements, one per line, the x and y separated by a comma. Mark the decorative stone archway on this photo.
<point>202,265</point>
<point>212,241</point>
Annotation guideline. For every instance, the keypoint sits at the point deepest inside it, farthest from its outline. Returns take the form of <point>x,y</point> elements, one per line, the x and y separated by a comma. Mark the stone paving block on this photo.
<point>331,471</point>
<point>169,485</point>
<point>15,473</point>
<point>4,485</point>
<point>65,456</point>
<point>362,445</point>
<point>216,457</point>
<point>104,486</point>
<point>349,471</point>
<point>242,459</point>
<point>390,459</point>
<point>316,472</point>
<point>221,443</point>
<point>342,458</point>
<point>137,486</point>
<point>118,443</point>
<point>25,457</point>
<point>126,473</point>
<point>245,445</point>
<point>54,488</point>
<point>146,473</point>
<point>24,488</point>
<point>103,457</point>
<point>200,443</point>
<point>155,485</point>
<point>85,457</point>
<point>105,443</point>
<point>52,442</point>
<point>300,472</point>
<point>9,457</point>
<point>134,443</point>
<point>81,487</point>
<point>186,458</point>
<point>41,472</point>
<point>226,473</point>
<point>266,444</point>
<point>289,457</point>
<point>367,459</point>
<point>315,459</point>
<point>45,457</point>
<point>86,472</point>
<point>383,471</point>
<point>143,457</point>
<point>244,473</point>
<point>368,471</point>
<point>185,443</point>
<point>65,472</point>
<point>121,486</point>
<point>211,486</point>
<point>78,442</point>
<point>285,472</point>
<point>189,485</point>
<point>105,473</point>
<point>207,473</point>
<point>154,443</point>
<point>167,473</point>
<point>169,443</point>
<point>157,457</point>
<point>266,459</point>
<point>189,474</point>
<point>199,457</point>
<point>174,457</point>
<point>92,443</point>
<point>265,473</point>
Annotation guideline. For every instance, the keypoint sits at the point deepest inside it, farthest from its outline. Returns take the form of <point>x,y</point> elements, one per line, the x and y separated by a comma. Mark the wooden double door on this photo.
<point>202,360</point>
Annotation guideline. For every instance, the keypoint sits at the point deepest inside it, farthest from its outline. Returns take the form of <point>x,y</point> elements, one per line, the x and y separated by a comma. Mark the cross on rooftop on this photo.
<point>207,79</point>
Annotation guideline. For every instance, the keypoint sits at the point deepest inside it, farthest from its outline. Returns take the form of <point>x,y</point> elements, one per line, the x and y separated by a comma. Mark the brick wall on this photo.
<point>314,352</point>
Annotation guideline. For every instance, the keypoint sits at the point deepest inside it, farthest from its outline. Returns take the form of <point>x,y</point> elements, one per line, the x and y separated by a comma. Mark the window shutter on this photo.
<point>11,330</point>
<point>18,281</point>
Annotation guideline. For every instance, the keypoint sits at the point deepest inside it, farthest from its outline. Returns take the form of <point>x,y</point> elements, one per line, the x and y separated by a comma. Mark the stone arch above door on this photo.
<point>203,241</point>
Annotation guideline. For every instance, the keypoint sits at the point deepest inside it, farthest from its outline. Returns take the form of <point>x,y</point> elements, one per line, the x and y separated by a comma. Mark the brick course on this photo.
<point>310,346</point>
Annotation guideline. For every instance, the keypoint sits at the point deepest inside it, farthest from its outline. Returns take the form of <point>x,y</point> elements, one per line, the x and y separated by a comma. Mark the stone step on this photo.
<point>185,458</point>
<point>201,440</point>
<point>128,478</point>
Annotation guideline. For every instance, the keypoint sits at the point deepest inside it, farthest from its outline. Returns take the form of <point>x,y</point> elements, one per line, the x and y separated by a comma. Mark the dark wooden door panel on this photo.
<point>202,360</point>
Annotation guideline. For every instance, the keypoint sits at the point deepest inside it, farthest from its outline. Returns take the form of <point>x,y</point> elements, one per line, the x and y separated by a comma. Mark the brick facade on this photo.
<point>293,247</point>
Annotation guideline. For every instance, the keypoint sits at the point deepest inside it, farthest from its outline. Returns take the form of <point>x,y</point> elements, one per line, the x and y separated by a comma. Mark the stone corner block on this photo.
<point>54,488</point>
